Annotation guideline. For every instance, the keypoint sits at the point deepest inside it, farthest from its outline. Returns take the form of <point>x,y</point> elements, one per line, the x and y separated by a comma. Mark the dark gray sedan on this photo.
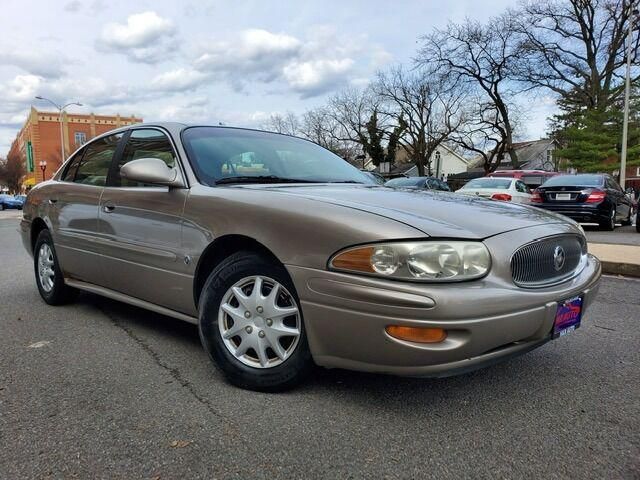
<point>285,255</point>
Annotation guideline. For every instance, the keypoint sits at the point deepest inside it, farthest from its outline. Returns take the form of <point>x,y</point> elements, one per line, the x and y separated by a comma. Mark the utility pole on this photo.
<point>627,91</point>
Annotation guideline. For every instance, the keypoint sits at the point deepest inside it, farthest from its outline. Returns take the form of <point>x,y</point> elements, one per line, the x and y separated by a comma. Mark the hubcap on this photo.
<point>270,333</point>
<point>45,267</point>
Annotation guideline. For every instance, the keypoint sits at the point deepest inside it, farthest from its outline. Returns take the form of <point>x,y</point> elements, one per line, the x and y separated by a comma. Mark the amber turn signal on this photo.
<point>417,334</point>
<point>358,259</point>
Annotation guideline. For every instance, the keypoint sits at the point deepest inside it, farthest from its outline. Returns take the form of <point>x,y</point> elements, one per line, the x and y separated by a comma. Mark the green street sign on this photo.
<point>30,165</point>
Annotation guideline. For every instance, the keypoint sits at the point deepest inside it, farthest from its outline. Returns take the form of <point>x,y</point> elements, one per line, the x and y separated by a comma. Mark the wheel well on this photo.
<point>220,249</point>
<point>36,227</point>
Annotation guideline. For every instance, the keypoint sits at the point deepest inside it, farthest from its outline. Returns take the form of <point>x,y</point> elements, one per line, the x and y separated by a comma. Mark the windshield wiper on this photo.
<point>345,181</point>
<point>261,179</point>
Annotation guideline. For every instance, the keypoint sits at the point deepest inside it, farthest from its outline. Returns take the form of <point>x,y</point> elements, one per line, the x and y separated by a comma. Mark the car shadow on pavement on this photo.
<point>130,316</point>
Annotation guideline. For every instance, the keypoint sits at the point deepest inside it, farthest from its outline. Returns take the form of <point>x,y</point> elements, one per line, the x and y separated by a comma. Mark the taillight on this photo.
<point>505,197</point>
<point>596,196</point>
<point>536,197</point>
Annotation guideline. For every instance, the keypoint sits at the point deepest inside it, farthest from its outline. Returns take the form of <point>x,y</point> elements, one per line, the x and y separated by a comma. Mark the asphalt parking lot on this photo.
<point>99,389</point>
<point>620,236</point>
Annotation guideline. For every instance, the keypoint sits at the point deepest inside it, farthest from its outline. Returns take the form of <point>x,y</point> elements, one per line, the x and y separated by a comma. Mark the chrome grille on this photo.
<point>534,264</point>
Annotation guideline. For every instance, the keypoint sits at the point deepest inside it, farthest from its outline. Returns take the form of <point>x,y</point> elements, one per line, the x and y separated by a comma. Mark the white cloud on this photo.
<point>178,80</point>
<point>310,66</point>
<point>146,37</point>
<point>316,76</point>
<point>45,64</point>
<point>253,51</point>
<point>73,6</point>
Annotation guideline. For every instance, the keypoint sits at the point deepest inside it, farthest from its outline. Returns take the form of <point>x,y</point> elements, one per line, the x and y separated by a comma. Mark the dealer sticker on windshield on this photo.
<point>568,316</point>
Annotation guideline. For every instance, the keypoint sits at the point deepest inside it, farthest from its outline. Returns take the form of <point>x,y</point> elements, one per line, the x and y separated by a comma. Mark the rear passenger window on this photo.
<point>72,166</point>
<point>145,143</point>
<point>95,163</point>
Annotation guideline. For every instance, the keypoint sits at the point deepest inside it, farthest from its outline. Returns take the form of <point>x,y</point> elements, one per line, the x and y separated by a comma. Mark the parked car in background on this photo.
<point>531,178</point>
<point>9,201</point>
<point>374,176</point>
<point>506,189</point>
<point>424,183</point>
<point>284,256</point>
<point>588,198</point>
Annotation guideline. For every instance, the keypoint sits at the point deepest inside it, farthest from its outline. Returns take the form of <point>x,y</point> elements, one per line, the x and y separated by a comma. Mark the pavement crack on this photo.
<point>604,328</point>
<point>228,424</point>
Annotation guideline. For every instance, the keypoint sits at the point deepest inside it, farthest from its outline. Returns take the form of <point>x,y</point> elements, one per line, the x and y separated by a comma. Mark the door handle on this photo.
<point>108,207</point>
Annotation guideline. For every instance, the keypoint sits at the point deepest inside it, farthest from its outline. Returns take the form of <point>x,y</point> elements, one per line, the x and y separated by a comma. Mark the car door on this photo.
<point>625,205</point>
<point>142,224</point>
<point>73,204</point>
<point>617,198</point>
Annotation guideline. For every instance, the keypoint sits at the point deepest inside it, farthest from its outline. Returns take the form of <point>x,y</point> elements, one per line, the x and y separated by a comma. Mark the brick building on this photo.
<point>39,138</point>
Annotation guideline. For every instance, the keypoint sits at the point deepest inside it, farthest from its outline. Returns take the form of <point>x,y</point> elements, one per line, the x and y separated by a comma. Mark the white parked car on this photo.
<point>499,188</point>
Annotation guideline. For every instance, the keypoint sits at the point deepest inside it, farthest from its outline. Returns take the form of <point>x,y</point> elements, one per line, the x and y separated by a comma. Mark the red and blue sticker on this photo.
<point>568,316</point>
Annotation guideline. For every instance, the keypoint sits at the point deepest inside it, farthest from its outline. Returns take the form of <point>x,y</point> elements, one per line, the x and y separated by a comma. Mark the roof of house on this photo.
<point>532,155</point>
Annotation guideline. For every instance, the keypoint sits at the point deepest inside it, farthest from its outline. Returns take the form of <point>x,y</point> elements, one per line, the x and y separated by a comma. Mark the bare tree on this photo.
<point>12,171</point>
<point>482,57</point>
<point>287,123</point>
<point>482,133</point>
<point>575,48</point>
<point>426,105</point>
<point>359,119</point>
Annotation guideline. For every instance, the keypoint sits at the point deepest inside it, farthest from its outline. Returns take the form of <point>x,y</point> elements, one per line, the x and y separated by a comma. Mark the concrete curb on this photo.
<point>626,269</point>
<point>617,259</point>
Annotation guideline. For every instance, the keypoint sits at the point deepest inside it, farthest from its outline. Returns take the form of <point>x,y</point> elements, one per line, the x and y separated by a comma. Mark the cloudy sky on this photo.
<point>234,62</point>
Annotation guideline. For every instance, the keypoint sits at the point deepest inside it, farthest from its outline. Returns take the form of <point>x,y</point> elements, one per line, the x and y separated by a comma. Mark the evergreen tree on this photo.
<point>591,138</point>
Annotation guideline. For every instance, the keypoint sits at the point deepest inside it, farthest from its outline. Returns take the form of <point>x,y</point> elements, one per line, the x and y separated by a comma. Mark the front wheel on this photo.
<point>1,206</point>
<point>251,324</point>
<point>627,221</point>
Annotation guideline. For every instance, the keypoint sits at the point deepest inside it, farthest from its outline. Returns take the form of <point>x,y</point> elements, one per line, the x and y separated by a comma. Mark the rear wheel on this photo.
<point>251,324</point>
<point>1,206</point>
<point>626,222</point>
<point>610,223</point>
<point>49,278</point>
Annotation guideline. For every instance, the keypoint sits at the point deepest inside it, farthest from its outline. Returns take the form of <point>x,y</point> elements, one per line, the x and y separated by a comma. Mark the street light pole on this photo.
<point>60,112</point>
<point>627,88</point>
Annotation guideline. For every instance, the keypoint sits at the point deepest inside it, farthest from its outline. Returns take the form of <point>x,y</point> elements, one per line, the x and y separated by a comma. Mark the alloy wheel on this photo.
<point>46,271</point>
<point>259,322</point>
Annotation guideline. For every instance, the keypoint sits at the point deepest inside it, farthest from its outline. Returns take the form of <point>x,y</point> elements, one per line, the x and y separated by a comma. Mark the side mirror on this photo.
<point>151,170</point>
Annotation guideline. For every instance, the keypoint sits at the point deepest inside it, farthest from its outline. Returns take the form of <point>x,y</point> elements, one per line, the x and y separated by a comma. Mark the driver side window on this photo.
<point>145,143</point>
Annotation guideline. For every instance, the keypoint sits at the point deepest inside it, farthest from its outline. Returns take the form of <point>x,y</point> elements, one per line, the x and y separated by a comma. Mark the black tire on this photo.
<point>60,293</point>
<point>1,206</point>
<point>277,378</point>
<point>609,224</point>
<point>638,220</point>
<point>627,221</point>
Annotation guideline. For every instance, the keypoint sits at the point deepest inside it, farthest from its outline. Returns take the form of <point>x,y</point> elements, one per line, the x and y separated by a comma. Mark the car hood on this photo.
<point>437,214</point>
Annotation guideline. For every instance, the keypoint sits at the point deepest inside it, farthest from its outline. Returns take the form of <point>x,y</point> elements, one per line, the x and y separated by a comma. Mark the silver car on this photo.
<point>285,256</point>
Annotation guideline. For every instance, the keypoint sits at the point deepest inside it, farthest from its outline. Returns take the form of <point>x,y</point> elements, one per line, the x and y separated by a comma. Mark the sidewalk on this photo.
<point>617,259</point>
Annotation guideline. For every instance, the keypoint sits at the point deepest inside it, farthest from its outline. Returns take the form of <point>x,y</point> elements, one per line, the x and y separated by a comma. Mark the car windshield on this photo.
<point>231,155</point>
<point>489,182</point>
<point>405,182</point>
<point>574,181</point>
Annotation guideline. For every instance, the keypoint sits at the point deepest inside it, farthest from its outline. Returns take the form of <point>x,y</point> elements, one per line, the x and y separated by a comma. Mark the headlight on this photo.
<point>428,261</point>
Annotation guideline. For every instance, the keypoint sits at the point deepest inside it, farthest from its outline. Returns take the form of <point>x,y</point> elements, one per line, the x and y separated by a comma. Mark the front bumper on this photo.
<point>487,320</point>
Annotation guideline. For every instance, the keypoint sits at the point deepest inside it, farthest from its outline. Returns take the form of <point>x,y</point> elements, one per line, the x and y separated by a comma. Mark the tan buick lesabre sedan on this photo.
<point>285,255</point>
